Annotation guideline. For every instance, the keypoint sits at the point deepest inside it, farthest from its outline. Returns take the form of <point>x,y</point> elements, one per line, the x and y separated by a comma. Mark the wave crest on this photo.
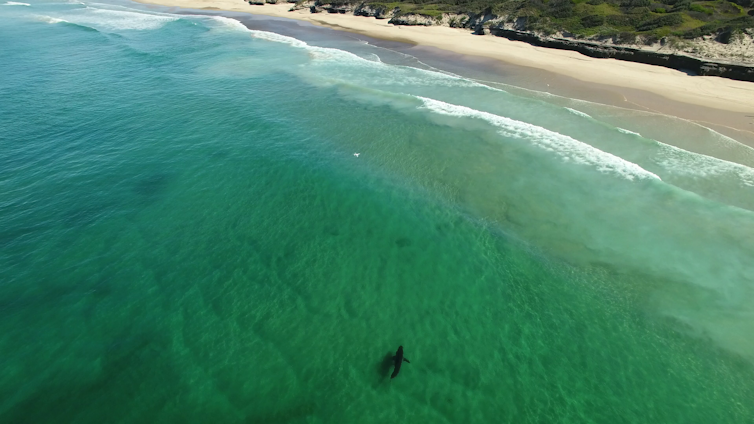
<point>579,113</point>
<point>109,20</point>
<point>625,131</point>
<point>687,163</point>
<point>569,149</point>
<point>50,19</point>
<point>277,38</point>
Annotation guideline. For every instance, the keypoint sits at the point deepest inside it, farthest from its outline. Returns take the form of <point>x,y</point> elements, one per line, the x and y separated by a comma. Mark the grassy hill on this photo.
<point>627,20</point>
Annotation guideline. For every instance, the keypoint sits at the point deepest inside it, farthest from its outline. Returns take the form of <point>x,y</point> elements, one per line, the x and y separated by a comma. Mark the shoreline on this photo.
<point>724,104</point>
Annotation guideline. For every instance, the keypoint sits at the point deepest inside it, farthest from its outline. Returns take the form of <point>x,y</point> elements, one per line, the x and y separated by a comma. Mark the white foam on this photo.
<point>345,67</point>
<point>683,162</point>
<point>277,38</point>
<point>727,141</point>
<point>122,20</point>
<point>15,3</point>
<point>50,19</point>
<point>114,20</point>
<point>341,66</point>
<point>373,58</point>
<point>578,113</point>
<point>568,148</point>
<point>230,23</point>
<point>625,131</point>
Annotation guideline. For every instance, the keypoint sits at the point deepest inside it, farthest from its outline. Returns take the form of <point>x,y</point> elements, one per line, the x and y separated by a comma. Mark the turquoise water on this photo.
<point>186,236</point>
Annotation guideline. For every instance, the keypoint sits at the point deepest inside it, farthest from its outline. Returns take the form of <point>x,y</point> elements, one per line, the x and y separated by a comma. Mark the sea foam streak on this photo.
<point>684,162</point>
<point>341,64</point>
<point>15,3</point>
<point>566,147</point>
<point>579,113</point>
<point>231,23</point>
<point>50,19</point>
<point>122,20</point>
<point>113,20</point>
<point>228,23</point>
<point>625,131</point>
<point>336,58</point>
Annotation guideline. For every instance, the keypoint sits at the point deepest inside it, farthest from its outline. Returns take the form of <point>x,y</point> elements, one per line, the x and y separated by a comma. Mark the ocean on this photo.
<point>202,222</point>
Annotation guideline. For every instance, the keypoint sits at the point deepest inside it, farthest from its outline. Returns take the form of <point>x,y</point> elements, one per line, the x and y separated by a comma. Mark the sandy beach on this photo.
<point>719,101</point>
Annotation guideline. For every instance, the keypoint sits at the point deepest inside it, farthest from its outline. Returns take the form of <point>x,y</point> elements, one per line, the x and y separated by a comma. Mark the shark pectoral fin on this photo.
<point>406,360</point>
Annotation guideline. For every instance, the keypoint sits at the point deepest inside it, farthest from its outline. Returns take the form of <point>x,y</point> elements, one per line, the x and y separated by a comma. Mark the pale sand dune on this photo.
<point>712,92</point>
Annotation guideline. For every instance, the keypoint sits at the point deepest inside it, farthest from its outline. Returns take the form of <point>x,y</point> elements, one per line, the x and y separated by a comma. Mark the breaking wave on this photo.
<point>569,149</point>
<point>578,113</point>
<point>625,131</point>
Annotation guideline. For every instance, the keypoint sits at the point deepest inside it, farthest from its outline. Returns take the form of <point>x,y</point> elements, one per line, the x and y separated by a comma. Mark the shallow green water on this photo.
<point>186,236</point>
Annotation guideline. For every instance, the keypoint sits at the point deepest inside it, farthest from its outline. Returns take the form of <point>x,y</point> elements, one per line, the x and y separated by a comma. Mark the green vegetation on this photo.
<point>623,20</point>
<point>701,9</point>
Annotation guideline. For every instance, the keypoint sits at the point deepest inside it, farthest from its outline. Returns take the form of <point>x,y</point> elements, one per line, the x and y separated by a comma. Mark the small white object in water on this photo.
<point>356,154</point>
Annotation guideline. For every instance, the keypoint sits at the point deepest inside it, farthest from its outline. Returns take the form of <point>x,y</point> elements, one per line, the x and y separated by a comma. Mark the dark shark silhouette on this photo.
<point>398,361</point>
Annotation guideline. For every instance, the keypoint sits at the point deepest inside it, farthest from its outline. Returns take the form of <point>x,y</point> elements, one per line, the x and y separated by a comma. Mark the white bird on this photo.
<point>356,154</point>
